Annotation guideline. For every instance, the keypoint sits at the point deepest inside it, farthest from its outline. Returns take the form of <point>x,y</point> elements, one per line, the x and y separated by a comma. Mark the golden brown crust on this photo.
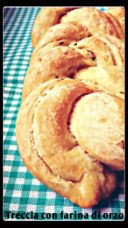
<point>59,162</point>
<point>74,128</point>
<point>47,17</point>
<point>108,50</point>
<point>69,31</point>
<point>117,49</point>
<point>98,125</point>
<point>52,60</point>
<point>116,26</point>
<point>109,79</point>
<point>119,13</point>
<point>95,21</point>
<point>57,62</point>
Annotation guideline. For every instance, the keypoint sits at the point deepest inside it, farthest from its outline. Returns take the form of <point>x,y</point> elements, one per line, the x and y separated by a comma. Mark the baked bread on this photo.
<point>108,49</point>
<point>95,21</point>
<point>119,13</point>
<point>98,125</point>
<point>57,60</point>
<point>63,33</point>
<point>72,111</point>
<point>104,78</point>
<point>47,17</point>
<point>49,149</point>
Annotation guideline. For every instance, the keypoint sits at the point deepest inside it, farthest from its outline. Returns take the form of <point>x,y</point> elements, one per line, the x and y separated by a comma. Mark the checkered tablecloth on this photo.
<point>21,191</point>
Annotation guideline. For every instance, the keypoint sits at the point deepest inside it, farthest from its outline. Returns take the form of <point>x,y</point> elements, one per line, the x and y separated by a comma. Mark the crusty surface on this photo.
<point>117,26</point>
<point>119,13</point>
<point>47,17</point>
<point>40,52</point>
<point>57,62</point>
<point>49,149</point>
<point>95,21</point>
<point>98,125</point>
<point>109,79</point>
<point>117,49</point>
<point>69,31</point>
<point>108,50</point>
<point>70,126</point>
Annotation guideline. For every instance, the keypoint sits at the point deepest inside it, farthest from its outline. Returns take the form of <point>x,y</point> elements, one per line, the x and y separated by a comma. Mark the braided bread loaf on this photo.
<point>72,111</point>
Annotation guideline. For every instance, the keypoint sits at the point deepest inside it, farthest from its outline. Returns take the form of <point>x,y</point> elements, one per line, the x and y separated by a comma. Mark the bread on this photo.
<point>47,17</point>
<point>67,33</point>
<point>108,49</point>
<point>119,13</point>
<point>109,79</point>
<point>51,152</point>
<point>98,125</point>
<point>61,32</point>
<point>72,111</point>
<point>101,22</point>
<point>57,60</point>
<point>96,21</point>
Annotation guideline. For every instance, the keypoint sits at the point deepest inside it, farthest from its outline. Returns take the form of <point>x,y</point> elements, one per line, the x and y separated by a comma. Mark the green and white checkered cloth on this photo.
<point>21,191</point>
